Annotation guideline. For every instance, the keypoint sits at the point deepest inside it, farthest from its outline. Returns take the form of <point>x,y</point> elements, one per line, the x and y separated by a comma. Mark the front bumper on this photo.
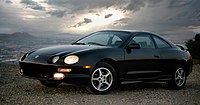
<point>78,74</point>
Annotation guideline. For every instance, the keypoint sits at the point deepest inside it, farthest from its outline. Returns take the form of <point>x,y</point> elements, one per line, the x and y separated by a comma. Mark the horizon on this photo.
<point>61,35</point>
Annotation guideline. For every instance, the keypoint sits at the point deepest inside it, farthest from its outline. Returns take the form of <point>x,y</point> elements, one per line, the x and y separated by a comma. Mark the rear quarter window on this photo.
<point>161,43</point>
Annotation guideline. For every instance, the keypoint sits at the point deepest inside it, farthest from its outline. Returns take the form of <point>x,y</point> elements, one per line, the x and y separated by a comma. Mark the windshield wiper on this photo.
<point>78,43</point>
<point>94,43</point>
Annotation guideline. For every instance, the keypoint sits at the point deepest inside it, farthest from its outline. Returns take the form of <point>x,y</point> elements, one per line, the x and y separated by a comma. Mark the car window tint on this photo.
<point>161,43</point>
<point>101,39</point>
<point>114,39</point>
<point>143,41</point>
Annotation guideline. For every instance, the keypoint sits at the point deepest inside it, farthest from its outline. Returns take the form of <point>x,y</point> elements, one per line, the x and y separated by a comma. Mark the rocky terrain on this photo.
<point>17,90</point>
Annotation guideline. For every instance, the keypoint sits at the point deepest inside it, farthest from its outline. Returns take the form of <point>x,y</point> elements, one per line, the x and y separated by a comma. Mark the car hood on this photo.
<point>64,49</point>
<point>44,54</point>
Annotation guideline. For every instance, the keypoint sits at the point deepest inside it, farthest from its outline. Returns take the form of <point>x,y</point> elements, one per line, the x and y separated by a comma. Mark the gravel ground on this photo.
<point>16,90</point>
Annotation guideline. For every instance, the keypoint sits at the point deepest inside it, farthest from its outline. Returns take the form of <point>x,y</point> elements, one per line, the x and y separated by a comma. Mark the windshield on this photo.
<point>114,39</point>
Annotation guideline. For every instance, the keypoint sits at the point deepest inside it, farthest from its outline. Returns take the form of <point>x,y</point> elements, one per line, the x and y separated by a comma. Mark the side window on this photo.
<point>143,41</point>
<point>161,43</point>
<point>101,39</point>
<point>116,40</point>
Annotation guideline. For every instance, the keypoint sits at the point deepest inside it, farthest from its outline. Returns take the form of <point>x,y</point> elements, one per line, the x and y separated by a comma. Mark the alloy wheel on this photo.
<point>180,77</point>
<point>102,79</point>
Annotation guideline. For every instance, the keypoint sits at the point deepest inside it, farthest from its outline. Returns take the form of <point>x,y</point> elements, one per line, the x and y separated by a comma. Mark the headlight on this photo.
<point>55,59</point>
<point>24,56</point>
<point>71,59</point>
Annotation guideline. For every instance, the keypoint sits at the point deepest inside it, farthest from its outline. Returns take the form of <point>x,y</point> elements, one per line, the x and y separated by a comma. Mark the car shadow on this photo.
<point>65,88</point>
<point>141,86</point>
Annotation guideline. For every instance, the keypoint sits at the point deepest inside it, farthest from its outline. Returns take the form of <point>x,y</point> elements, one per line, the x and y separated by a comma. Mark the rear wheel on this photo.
<point>103,79</point>
<point>179,78</point>
<point>50,83</point>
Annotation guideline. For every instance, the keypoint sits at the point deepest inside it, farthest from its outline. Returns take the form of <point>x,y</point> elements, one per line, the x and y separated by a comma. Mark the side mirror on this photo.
<point>134,46</point>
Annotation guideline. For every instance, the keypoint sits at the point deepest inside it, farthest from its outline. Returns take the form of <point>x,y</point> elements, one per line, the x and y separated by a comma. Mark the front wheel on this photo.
<point>50,83</point>
<point>179,78</point>
<point>103,79</point>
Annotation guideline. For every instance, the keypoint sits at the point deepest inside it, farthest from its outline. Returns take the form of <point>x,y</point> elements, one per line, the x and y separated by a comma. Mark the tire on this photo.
<point>179,79</point>
<point>103,79</point>
<point>50,83</point>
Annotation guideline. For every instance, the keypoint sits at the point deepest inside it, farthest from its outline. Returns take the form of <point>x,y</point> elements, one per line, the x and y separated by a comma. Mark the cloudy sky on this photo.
<point>178,20</point>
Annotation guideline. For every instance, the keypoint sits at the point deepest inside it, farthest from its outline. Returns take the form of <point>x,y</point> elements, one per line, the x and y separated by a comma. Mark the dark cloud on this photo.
<point>196,15</point>
<point>57,13</point>
<point>195,10</point>
<point>171,17</point>
<point>190,10</point>
<point>153,3</point>
<point>120,22</point>
<point>75,6</point>
<point>32,4</point>
<point>179,3</point>
<point>8,1</point>
<point>56,2</point>
<point>135,5</point>
<point>86,21</point>
<point>79,5</point>
<point>90,5</point>
<point>108,16</point>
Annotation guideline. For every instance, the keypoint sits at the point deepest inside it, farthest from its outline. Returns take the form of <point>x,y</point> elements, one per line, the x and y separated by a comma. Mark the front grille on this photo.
<point>37,70</point>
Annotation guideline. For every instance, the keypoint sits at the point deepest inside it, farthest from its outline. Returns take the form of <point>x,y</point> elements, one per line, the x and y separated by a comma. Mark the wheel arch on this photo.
<point>186,65</point>
<point>113,63</point>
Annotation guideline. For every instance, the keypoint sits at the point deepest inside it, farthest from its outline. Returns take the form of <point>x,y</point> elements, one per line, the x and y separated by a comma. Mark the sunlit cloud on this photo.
<point>195,29</point>
<point>31,17</point>
<point>100,18</point>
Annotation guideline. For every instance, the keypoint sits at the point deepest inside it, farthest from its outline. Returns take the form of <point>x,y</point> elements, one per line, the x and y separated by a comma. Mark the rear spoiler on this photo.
<point>182,47</point>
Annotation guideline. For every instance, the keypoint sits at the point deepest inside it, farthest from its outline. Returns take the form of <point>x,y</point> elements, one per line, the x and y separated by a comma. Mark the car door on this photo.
<point>167,54</point>
<point>143,62</point>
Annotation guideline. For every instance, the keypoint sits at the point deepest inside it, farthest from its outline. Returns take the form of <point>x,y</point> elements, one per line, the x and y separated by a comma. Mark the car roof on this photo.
<point>139,31</point>
<point>128,31</point>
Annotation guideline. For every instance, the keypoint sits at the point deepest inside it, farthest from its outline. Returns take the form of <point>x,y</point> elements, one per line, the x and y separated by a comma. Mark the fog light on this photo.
<point>58,76</point>
<point>64,70</point>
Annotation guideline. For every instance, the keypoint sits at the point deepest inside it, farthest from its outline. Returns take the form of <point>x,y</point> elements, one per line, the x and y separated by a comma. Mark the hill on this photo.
<point>17,36</point>
<point>13,46</point>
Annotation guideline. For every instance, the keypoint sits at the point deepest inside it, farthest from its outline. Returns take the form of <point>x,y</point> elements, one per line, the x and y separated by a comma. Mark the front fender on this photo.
<point>92,57</point>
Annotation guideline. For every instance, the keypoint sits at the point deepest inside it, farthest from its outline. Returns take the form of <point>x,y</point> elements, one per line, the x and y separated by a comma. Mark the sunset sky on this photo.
<point>178,20</point>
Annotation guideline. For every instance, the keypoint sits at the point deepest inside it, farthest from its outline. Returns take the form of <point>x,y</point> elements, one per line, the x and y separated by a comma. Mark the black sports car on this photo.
<point>106,58</point>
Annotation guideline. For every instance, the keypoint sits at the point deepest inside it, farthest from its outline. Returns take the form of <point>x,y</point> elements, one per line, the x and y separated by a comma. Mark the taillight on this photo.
<point>190,58</point>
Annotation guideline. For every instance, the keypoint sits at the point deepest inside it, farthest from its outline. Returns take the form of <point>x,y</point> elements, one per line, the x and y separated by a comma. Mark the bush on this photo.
<point>194,46</point>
